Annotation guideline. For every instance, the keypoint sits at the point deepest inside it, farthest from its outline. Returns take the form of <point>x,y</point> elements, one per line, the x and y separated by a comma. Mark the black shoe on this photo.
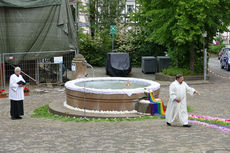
<point>18,117</point>
<point>187,125</point>
<point>168,123</point>
<point>13,118</point>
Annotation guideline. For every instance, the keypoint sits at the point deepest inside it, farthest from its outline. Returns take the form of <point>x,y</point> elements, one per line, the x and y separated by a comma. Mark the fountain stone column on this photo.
<point>79,67</point>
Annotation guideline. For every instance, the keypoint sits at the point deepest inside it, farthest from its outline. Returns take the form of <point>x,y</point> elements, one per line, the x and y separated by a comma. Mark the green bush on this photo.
<point>95,50</point>
<point>133,42</point>
<point>181,59</point>
<point>172,71</point>
<point>216,48</point>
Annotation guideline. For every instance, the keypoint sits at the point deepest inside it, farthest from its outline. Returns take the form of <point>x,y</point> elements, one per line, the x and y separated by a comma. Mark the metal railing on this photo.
<point>37,67</point>
<point>1,72</point>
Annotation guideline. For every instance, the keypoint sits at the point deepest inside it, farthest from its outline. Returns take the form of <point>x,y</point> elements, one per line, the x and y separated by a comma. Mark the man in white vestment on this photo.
<point>177,105</point>
<point>16,94</point>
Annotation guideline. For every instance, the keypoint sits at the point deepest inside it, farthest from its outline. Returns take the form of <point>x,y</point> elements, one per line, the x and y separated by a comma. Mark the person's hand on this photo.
<point>21,85</point>
<point>196,92</point>
<point>178,100</point>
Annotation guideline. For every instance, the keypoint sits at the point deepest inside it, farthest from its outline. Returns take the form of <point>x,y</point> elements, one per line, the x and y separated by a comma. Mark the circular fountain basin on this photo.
<point>107,93</point>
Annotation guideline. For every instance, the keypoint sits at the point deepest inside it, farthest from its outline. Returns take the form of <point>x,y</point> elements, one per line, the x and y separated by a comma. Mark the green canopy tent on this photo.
<point>36,26</point>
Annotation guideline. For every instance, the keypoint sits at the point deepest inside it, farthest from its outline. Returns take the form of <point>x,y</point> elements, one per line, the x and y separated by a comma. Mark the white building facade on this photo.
<point>82,18</point>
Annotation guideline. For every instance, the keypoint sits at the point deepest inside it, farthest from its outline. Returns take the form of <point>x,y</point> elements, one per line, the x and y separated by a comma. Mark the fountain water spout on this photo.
<point>89,65</point>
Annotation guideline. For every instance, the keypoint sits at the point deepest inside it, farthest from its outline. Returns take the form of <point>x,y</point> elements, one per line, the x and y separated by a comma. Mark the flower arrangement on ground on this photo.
<point>26,91</point>
<point>3,93</point>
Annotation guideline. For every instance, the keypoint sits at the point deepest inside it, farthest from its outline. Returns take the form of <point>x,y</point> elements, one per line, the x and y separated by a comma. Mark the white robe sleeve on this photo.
<point>172,93</point>
<point>13,83</point>
<point>189,89</point>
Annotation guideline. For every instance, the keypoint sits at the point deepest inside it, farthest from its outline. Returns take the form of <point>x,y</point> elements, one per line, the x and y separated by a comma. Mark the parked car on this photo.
<point>225,59</point>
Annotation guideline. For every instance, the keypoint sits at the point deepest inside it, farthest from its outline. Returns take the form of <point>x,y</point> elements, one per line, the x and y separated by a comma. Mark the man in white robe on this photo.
<point>177,105</point>
<point>16,94</point>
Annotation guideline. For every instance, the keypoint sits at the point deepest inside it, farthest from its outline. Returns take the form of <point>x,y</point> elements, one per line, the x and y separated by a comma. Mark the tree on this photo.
<point>132,41</point>
<point>104,13</point>
<point>179,25</point>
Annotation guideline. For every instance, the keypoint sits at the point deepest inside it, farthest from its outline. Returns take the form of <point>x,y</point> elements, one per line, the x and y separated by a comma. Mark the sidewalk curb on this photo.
<point>166,83</point>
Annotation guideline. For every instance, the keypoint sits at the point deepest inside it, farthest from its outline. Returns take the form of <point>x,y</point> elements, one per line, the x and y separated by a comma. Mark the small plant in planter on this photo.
<point>3,93</point>
<point>26,91</point>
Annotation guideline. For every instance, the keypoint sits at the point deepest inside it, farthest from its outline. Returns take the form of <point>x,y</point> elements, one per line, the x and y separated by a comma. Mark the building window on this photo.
<point>130,8</point>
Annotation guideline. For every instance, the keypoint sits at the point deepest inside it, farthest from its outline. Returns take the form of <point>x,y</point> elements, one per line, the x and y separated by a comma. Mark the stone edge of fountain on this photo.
<point>71,86</point>
<point>58,108</point>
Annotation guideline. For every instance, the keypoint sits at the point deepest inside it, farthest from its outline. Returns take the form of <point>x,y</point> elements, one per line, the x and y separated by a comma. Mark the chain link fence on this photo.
<point>1,72</point>
<point>38,68</point>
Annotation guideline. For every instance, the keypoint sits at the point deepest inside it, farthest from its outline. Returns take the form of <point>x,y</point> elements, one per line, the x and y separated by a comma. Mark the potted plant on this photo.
<point>26,91</point>
<point>3,93</point>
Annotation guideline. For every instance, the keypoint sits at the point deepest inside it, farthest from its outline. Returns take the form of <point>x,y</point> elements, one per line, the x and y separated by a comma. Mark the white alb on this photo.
<point>16,92</point>
<point>174,109</point>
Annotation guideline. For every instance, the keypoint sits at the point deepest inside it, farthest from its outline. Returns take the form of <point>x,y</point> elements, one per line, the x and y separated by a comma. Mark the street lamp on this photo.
<point>204,35</point>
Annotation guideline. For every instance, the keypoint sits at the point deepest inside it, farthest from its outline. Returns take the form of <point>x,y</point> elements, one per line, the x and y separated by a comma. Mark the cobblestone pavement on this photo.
<point>44,135</point>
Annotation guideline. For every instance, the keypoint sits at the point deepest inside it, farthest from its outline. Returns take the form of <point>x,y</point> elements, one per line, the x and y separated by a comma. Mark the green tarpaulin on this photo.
<point>36,26</point>
<point>28,3</point>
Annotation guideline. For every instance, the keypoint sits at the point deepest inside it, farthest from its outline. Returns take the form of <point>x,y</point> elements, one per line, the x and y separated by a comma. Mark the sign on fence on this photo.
<point>73,68</point>
<point>58,59</point>
<point>45,67</point>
